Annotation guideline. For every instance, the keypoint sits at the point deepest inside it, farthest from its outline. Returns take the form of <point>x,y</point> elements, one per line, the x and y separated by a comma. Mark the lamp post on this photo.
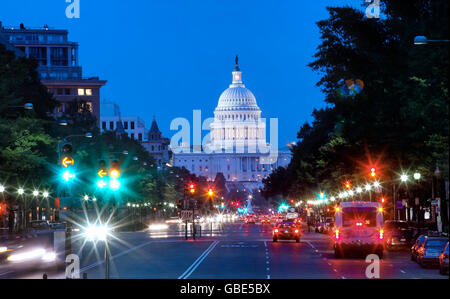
<point>96,233</point>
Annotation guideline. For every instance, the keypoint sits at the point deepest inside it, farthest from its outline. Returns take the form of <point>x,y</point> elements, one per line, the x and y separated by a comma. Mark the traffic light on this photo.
<point>114,171</point>
<point>383,199</point>
<point>192,188</point>
<point>373,172</point>
<point>347,184</point>
<point>67,162</point>
<point>222,205</point>
<point>102,172</point>
<point>210,192</point>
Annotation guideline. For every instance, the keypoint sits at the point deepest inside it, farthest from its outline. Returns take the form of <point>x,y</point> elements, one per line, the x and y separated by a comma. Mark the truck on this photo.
<point>358,227</point>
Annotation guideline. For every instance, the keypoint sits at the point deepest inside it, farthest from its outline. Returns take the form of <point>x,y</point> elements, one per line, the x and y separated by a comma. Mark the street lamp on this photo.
<point>2,189</point>
<point>20,191</point>
<point>404,178</point>
<point>35,193</point>
<point>417,176</point>
<point>97,233</point>
<point>45,194</point>
<point>423,40</point>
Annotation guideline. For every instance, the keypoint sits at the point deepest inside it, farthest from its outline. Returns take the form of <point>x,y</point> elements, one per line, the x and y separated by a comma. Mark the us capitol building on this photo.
<point>237,147</point>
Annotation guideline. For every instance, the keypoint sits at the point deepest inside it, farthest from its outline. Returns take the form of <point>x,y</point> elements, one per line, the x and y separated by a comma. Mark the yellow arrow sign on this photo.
<point>102,173</point>
<point>67,161</point>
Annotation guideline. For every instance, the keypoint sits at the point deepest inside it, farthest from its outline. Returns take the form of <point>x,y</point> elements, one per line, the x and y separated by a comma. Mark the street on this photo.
<point>242,251</point>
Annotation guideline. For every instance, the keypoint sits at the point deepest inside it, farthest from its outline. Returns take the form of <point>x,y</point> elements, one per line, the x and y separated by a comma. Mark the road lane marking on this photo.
<point>98,263</point>
<point>6,273</point>
<point>198,261</point>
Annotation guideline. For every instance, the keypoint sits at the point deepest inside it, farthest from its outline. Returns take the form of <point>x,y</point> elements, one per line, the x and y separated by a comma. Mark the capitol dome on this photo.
<point>237,97</point>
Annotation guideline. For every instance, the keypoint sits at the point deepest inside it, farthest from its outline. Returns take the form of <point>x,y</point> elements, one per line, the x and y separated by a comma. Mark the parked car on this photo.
<point>429,251</point>
<point>419,241</point>
<point>443,261</point>
<point>397,234</point>
<point>39,225</point>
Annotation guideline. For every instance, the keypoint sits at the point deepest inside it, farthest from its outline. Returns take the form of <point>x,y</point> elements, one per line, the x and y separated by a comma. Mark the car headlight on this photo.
<point>3,249</point>
<point>27,255</point>
<point>49,257</point>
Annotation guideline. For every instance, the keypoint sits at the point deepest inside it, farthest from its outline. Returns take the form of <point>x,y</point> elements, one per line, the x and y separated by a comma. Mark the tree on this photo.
<point>387,99</point>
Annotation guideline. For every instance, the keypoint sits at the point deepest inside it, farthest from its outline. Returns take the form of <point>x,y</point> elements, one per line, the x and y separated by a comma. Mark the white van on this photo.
<point>358,227</point>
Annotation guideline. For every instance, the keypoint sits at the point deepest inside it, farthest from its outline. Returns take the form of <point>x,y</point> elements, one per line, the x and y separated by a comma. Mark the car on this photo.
<point>250,219</point>
<point>358,227</point>
<point>429,251</point>
<point>287,230</point>
<point>58,226</point>
<point>326,226</point>
<point>419,241</point>
<point>39,225</point>
<point>397,234</point>
<point>443,261</point>
<point>265,220</point>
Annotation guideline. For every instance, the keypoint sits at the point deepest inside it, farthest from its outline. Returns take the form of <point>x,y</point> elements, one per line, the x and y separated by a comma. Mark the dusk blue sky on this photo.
<point>168,57</point>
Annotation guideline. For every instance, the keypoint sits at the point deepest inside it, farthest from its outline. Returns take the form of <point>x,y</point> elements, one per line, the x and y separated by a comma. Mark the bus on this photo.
<point>359,227</point>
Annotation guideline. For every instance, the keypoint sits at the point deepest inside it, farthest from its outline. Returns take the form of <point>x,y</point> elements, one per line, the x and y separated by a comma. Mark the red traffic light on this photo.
<point>348,185</point>
<point>372,172</point>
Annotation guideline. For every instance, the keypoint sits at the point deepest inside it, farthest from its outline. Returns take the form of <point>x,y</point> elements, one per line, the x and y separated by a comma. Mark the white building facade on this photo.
<point>237,146</point>
<point>110,120</point>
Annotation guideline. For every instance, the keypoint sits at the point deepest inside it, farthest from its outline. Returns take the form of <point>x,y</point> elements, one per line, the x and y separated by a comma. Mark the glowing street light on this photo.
<point>368,187</point>
<point>376,184</point>
<point>21,191</point>
<point>86,197</point>
<point>404,178</point>
<point>45,194</point>
<point>417,176</point>
<point>359,190</point>
<point>2,188</point>
<point>35,193</point>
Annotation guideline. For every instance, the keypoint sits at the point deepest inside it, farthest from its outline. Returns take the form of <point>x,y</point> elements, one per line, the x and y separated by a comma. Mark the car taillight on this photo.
<point>359,224</point>
<point>275,230</point>
<point>296,231</point>
<point>337,234</point>
<point>381,234</point>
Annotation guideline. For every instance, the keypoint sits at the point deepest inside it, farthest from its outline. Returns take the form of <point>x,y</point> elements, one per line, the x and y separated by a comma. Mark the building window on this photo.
<point>80,91</point>
<point>140,136</point>
<point>132,125</point>
<point>125,125</point>
<point>40,54</point>
<point>59,56</point>
<point>153,148</point>
<point>88,92</point>
<point>104,125</point>
<point>132,136</point>
<point>67,91</point>
<point>59,91</point>
<point>111,125</point>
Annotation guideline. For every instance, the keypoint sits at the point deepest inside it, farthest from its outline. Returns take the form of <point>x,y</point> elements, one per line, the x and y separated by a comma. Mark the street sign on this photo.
<point>186,215</point>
